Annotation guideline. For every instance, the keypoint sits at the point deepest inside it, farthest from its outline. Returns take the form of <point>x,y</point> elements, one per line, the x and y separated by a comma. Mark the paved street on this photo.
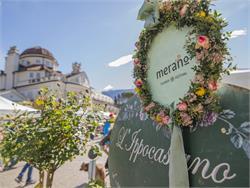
<point>68,176</point>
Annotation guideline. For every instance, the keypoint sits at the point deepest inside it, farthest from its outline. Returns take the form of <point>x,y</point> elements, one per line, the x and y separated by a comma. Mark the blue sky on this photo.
<point>97,32</point>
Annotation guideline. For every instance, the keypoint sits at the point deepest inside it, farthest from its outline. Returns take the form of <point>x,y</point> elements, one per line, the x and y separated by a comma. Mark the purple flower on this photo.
<point>208,119</point>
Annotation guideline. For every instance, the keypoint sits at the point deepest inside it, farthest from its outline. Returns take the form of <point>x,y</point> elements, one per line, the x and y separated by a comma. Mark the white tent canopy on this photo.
<point>240,78</point>
<point>8,107</point>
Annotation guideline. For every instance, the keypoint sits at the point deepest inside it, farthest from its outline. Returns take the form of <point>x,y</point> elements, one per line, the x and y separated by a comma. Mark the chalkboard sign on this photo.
<point>217,155</point>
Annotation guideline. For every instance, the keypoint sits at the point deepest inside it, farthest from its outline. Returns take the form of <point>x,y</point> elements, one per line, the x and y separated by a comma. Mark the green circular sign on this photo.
<point>170,67</point>
<point>179,60</point>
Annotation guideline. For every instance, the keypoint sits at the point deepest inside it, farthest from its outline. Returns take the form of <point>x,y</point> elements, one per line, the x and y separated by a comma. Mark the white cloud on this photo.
<point>108,87</point>
<point>238,33</point>
<point>121,61</point>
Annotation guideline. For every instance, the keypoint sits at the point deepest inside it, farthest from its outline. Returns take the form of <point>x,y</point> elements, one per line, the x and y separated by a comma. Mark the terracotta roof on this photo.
<point>37,51</point>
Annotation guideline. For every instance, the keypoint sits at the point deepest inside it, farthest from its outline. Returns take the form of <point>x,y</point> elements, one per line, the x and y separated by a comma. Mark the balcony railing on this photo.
<point>38,80</point>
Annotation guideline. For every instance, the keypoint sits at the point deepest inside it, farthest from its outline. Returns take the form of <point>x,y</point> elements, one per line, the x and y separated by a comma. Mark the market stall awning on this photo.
<point>8,107</point>
<point>240,78</point>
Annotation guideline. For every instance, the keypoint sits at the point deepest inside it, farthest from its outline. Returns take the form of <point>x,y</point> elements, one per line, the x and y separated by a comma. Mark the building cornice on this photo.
<point>37,83</point>
<point>42,82</point>
<point>39,55</point>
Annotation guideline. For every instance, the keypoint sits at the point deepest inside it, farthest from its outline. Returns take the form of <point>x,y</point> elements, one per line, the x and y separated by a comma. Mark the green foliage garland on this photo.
<point>206,43</point>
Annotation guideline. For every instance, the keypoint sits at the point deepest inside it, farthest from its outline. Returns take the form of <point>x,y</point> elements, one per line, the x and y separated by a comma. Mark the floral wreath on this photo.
<point>206,43</point>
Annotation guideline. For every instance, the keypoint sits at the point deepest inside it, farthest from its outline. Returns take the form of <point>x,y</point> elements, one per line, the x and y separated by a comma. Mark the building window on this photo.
<point>77,80</point>
<point>38,75</point>
<point>28,63</point>
<point>38,61</point>
<point>48,64</point>
<point>31,75</point>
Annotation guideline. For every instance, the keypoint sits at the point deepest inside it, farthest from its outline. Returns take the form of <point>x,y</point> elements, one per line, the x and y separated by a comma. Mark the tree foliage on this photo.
<point>58,133</point>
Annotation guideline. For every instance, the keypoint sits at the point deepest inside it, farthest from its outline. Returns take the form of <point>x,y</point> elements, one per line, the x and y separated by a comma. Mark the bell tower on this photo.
<point>11,65</point>
<point>76,68</point>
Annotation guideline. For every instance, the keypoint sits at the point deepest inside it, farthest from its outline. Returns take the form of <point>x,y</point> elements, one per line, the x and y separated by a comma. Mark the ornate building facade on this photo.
<point>25,73</point>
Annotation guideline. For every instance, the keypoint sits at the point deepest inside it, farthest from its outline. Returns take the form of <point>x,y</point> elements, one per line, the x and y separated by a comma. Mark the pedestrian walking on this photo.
<point>29,180</point>
<point>105,142</point>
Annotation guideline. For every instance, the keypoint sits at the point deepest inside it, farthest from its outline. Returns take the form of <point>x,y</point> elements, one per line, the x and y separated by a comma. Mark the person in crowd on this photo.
<point>106,128</point>
<point>105,142</point>
<point>9,163</point>
<point>29,180</point>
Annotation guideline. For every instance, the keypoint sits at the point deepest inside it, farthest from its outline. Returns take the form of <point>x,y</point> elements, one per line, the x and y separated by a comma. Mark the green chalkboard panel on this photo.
<point>217,155</point>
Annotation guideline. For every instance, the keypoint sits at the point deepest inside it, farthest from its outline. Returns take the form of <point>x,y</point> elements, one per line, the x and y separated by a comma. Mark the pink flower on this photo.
<point>200,56</point>
<point>202,41</point>
<point>209,100</point>
<point>212,85</point>
<point>136,61</point>
<point>138,83</point>
<point>162,118</point>
<point>111,115</point>
<point>198,108</point>
<point>186,119</point>
<point>165,120</point>
<point>183,10</point>
<point>165,5</point>
<point>192,97</point>
<point>162,113</point>
<point>217,58</point>
<point>182,106</point>
<point>151,105</point>
<point>198,79</point>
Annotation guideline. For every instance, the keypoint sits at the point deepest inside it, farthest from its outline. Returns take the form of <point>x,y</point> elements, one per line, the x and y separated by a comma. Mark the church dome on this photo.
<point>37,51</point>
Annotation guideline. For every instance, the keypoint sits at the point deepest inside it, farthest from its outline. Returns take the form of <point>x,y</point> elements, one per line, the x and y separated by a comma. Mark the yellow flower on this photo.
<point>200,91</point>
<point>137,90</point>
<point>54,104</point>
<point>39,102</point>
<point>201,14</point>
<point>209,19</point>
<point>158,118</point>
